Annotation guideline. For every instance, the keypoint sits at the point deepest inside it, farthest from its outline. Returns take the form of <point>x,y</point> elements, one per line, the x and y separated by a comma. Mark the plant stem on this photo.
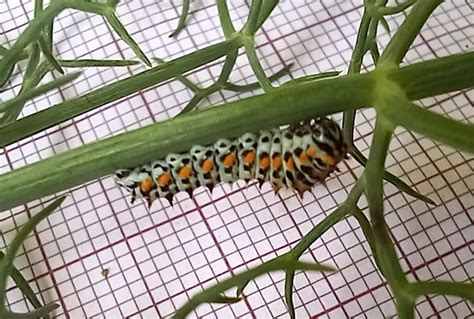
<point>31,33</point>
<point>250,50</point>
<point>56,114</point>
<point>311,99</point>
<point>23,285</point>
<point>430,124</point>
<point>90,161</point>
<point>407,32</point>
<point>182,18</point>
<point>461,290</point>
<point>354,67</point>
<point>224,17</point>
<point>340,213</point>
<point>211,293</point>
<point>6,264</point>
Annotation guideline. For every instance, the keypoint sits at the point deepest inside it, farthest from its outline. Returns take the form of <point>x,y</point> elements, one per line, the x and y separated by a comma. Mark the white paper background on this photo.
<point>157,259</point>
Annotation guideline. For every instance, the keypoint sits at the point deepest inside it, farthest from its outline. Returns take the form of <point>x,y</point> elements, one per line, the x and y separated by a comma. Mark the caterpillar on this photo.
<point>297,157</point>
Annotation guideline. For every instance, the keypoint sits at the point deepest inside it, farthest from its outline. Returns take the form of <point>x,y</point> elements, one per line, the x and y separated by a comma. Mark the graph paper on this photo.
<point>99,256</point>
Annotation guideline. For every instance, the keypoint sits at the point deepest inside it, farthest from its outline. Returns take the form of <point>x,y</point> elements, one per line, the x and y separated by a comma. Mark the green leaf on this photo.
<point>49,55</point>
<point>6,264</point>
<point>289,283</point>
<point>182,19</point>
<point>439,287</point>
<point>224,299</point>
<point>125,36</point>
<point>23,285</point>
<point>91,63</point>
<point>69,109</point>
<point>20,99</point>
<point>394,180</point>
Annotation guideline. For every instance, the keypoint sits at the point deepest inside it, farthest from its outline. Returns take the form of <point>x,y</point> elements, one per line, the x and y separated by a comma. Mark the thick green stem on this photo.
<point>311,99</point>
<point>438,287</point>
<point>430,124</point>
<point>179,134</point>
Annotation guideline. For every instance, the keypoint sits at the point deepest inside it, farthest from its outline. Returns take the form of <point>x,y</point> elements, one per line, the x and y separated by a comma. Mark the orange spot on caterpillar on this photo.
<point>146,185</point>
<point>185,172</point>
<point>164,179</point>
<point>304,158</point>
<point>265,162</point>
<point>207,166</point>
<point>289,164</point>
<point>249,158</point>
<point>229,160</point>
<point>311,151</point>
<point>329,160</point>
<point>276,162</point>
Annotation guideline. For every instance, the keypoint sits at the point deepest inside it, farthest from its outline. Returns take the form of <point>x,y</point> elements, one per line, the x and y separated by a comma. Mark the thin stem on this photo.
<point>340,213</point>
<point>48,54</point>
<point>355,65</point>
<point>289,284</point>
<point>229,64</point>
<point>407,32</point>
<point>224,16</point>
<point>255,85</point>
<point>438,287</point>
<point>23,285</point>
<point>251,26</point>
<point>181,78</point>
<point>42,120</point>
<point>255,64</point>
<point>333,218</point>
<point>40,90</point>
<point>6,265</point>
<point>394,180</point>
<point>182,18</point>
<point>211,293</point>
<point>384,249</point>
<point>126,37</point>
<point>29,35</point>
<point>267,8</point>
